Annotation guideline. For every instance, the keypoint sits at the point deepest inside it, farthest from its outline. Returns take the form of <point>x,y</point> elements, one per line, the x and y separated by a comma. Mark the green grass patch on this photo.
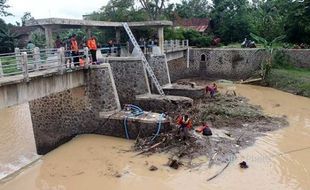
<point>293,80</point>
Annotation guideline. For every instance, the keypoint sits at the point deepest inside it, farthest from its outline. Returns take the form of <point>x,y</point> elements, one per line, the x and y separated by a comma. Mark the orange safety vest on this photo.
<point>82,62</point>
<point>187,123</point>
<point>91,44</point>
<point>74,45</point>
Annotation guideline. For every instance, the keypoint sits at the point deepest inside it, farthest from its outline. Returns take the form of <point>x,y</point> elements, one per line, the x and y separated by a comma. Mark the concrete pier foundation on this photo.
<point>162,104</point>
<point>193,92</point>
<point>144,125</point>
<point>58,117</point>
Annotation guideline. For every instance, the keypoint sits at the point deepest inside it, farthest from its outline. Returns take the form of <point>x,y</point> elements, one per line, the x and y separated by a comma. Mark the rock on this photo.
<point>153,168</point>
<point>173,164</point>
<point>243,165</point>
<point>118,175</point>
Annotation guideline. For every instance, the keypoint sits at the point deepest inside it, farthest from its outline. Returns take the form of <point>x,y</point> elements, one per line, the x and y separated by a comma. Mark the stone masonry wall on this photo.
<point>227,63</point>
<point>159,65</point>
<point>178,69</point>
<point>298,57</point>
<point>60,116</point>
<point>130,78</point>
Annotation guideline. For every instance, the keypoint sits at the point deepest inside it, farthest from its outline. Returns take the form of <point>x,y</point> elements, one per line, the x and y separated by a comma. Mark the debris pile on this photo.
<point>235,125</point>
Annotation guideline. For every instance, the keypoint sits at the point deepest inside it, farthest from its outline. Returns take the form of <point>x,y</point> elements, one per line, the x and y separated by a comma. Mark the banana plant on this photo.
<point>270,48</point>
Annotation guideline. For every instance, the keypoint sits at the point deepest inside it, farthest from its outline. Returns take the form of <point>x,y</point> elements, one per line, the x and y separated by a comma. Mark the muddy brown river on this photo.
<point>279,160</point>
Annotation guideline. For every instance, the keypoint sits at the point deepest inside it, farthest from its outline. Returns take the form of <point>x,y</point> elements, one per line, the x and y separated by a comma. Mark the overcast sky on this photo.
<point>53,8</point>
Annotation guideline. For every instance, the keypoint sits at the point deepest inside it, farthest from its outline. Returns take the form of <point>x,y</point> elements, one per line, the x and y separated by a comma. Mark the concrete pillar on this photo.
<point>1,70</point>
<point>118,35</point>
<point>36,58</point>
<point>88,32</point>
<point>86,54</point>
<point>61,60</point>
<point>49,37</point>
<point>161,38</point>
<point>18,58</point>
<point>25,66</point>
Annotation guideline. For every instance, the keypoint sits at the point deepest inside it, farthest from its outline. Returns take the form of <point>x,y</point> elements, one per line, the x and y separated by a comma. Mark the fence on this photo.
<point>172,45</point>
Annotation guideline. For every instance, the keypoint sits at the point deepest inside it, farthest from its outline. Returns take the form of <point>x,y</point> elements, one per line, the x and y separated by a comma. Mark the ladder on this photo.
<point>144,61</point>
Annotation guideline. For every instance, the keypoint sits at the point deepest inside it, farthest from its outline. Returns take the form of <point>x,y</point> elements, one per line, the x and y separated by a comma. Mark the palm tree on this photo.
<point>270,48</point>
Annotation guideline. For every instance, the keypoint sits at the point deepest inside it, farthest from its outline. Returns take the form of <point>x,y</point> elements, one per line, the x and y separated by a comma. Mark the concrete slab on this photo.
<point>160,103</point>
<point>187,90</point>
<point>91,23</point>
<point>113,124</point>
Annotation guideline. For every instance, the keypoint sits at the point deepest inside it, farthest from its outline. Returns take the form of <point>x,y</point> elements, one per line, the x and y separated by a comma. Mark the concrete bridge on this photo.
<point>66,101</point>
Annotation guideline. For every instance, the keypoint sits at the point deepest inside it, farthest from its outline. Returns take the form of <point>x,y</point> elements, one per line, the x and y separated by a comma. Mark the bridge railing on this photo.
<point>56,60</point>
<point>172,45</point>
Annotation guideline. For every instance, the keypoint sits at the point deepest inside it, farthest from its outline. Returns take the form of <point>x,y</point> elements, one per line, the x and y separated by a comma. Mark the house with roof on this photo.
<point>199,24</point>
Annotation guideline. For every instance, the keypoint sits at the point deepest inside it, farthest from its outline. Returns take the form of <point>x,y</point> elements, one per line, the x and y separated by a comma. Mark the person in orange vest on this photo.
<point>185,124</point>
<point>92,46</point>
<point>74,50</point>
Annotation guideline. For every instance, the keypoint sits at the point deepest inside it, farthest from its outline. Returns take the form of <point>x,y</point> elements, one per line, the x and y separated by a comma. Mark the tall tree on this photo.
<point>267,19</point>
<point>154,8</point>
<point>230,19</point>
<point>297,25</point>
<point>3,7</point>
<point>27,16</point>
<point>193,9</point>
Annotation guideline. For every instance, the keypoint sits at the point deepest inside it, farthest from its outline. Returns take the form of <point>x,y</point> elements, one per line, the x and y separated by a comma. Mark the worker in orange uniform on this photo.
<point>185,124</point>
<point>74,50</point>
<point>92,46</point>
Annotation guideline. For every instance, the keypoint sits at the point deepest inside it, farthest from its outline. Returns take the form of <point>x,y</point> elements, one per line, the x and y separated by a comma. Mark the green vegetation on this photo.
<point>230,20</point>
<point>293,80</point>
<point>9,65</point>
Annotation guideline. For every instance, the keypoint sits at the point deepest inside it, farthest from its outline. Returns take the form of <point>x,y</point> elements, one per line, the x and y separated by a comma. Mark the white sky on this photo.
<point>53,8</point>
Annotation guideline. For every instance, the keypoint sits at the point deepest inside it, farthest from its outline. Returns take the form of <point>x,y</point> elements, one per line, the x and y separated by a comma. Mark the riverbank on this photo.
<point>292,80</point>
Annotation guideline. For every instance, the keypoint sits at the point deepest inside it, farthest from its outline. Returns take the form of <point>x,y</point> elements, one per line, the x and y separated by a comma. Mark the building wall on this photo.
<point>130,78</point>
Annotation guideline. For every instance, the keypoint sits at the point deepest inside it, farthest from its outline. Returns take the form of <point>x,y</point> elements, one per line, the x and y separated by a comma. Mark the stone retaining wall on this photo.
<point>130,78</point>
<point>227,63</point>
<point>60,116</point>
<point>179,69</point>
<point>298,57</point>
<point>160,68</point>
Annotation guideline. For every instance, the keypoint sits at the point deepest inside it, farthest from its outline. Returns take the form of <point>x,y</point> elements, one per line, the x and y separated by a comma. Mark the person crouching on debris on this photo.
<point>212,89</point>
<point>206,131</point>
<point>185,124</point>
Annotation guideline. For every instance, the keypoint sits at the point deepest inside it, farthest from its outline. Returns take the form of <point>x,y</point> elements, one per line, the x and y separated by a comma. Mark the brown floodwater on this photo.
<point>279,160</point>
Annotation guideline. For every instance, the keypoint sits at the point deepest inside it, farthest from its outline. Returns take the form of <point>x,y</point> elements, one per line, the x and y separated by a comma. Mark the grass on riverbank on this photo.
<point>293,80</point>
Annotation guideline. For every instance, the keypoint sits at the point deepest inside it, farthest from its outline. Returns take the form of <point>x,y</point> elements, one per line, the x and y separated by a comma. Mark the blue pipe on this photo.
<point>159,126</point>
<point>136,111</point>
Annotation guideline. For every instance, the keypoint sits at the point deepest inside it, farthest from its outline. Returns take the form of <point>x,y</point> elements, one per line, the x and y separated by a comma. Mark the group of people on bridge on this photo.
<point>72,45</point>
